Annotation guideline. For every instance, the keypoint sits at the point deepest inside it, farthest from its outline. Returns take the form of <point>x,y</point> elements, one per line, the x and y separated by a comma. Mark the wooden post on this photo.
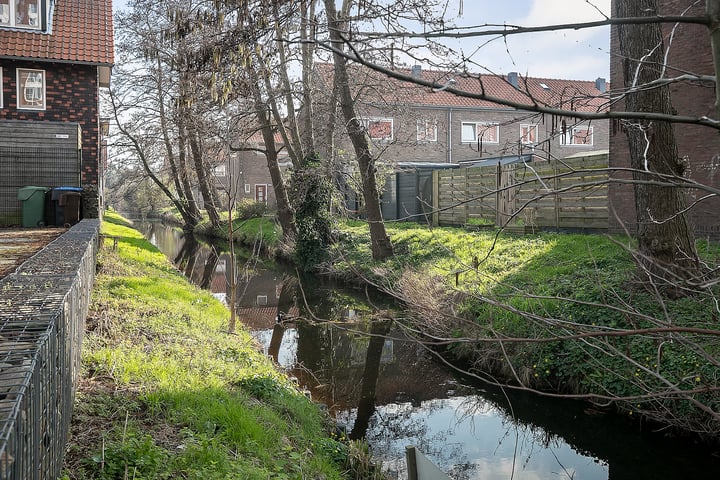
<point>435,198</point>
<point>420,467</point>
<point>411,462</point>
<point>466,196</point>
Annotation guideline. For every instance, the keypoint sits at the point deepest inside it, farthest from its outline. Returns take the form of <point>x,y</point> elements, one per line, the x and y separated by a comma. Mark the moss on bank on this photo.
<point>166,392</point>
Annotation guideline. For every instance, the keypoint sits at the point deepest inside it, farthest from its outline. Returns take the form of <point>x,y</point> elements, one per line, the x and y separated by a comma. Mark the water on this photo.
<point>393,393</point>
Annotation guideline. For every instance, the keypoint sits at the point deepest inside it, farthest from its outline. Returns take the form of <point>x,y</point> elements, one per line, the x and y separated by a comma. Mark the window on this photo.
<point>30,89</point>
<point>247,188</point>
<point>582,135</point>
<point>21,13</point>
<point>426,131</point>
<point>379,128</point>
<point>220,170</point>
<point>528,134</point>
<point>485,132</point>
<point>1,87</point>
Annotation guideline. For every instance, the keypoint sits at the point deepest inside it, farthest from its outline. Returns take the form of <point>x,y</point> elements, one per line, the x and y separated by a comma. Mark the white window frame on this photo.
<point>247,188</point>
<point>424,127</point>
<point>368,121</point>
<point>528,133</point>
<point>9,18</point>
<point>1,88</point>
<point>568,139</point>
<point>478,129</point>
<point>220,170</point>
<point>22,89</point>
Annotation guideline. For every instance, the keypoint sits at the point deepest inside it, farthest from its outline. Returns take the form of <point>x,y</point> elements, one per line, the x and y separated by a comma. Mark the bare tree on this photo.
<point>338,28</point>
<point>155,102</point>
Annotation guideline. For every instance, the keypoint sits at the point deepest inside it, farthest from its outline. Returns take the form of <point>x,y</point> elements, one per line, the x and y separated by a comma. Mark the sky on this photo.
<point>568,54</point>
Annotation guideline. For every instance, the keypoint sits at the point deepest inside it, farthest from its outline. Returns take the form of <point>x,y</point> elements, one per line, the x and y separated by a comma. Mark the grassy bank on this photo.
<point>166,392</point>
<point>555,312</point>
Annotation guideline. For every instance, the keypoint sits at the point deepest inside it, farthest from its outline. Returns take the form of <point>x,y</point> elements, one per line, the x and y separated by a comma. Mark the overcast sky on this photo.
<point>568,54</point>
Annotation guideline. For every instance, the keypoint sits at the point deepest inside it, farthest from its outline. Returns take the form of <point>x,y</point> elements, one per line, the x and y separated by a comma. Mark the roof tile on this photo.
<point>578,95</point>
<point>81,31</point>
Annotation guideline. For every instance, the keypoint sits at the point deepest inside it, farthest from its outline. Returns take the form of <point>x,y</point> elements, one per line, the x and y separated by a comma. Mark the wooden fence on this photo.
<point>570,193</point>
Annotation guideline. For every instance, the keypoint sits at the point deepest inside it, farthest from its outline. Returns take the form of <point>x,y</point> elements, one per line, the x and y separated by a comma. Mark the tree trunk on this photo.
<point>286,215</point>
<point>179,173</point>
<point>381,246</point>
<point>307,32</point>
<point>203,180</point>
<point>666,243</point>
<point>186,192</point>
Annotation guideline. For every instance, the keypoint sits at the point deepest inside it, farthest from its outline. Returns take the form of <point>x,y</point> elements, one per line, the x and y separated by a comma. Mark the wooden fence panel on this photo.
<point>465,193</point>
<point>571,193</point>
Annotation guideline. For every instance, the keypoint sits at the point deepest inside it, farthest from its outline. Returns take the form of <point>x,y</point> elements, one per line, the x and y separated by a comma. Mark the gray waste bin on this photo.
<point>33,205</point>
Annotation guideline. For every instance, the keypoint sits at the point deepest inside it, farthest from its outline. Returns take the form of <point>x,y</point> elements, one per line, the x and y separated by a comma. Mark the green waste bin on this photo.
<point>33,205</point>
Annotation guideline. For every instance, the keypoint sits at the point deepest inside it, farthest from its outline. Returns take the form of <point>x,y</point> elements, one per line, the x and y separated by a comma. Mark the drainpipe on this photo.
<point>449,136</point>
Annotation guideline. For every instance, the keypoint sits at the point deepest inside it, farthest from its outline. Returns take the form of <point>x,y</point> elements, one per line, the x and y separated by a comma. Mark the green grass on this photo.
<point>263,231</point>
<point>166,392</point>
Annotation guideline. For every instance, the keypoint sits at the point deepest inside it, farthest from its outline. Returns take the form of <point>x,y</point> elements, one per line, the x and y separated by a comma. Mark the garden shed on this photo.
<point>408,191</point>
<point>43,154</point>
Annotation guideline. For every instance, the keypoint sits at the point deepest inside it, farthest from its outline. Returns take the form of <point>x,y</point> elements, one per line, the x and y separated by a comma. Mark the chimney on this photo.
<point>512,78</point>
<point>416,71</point>
<point>600,84</point>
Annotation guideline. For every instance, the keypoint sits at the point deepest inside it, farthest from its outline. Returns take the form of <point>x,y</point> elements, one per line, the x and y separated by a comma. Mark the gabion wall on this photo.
<point>43,307</point>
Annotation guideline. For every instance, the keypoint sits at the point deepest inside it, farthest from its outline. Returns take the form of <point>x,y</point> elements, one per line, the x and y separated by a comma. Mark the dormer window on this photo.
<point>21,13</point>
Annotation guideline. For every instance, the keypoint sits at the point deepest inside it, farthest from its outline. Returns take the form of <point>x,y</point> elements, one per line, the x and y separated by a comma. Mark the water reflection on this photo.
<point>341,346</point>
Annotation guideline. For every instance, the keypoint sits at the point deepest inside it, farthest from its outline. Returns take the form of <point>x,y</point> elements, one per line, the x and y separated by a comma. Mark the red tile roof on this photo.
<point>578,95</point>
<point>80,31</point>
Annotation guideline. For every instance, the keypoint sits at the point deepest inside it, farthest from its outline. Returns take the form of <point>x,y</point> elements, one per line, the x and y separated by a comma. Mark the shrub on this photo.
<point>248,209</point>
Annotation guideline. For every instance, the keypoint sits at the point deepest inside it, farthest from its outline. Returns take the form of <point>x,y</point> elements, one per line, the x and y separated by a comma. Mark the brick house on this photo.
<point>698,145</point>
<point>245,168</point>
<point>55,55</point>
<point>411,123</point>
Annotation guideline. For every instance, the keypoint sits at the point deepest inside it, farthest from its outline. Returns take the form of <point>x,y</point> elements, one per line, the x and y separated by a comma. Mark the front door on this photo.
<point>261,193</point>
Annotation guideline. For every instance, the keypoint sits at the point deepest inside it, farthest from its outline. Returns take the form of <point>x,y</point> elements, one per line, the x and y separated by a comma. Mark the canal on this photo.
<point>342,347</point>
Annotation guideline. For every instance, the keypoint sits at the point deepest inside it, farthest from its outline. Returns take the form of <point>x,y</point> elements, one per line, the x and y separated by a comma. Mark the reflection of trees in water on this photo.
<point>208,272</point>
<point>332,336</point>
<point>405,421</point>
<point>187,256</point>
<point>366,403</point>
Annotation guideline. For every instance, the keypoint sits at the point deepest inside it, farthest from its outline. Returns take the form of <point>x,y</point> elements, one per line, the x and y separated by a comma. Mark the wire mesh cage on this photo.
<point>43,306</point>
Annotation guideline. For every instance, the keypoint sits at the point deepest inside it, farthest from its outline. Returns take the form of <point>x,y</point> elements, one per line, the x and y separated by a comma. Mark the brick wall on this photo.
<point>405,147</point>
<point>71,96</point>
<point>690,52</point>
